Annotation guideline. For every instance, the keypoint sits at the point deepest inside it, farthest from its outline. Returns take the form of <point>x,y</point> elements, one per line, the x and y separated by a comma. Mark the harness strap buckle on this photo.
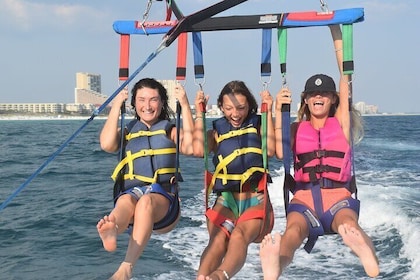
<point>228,225</point>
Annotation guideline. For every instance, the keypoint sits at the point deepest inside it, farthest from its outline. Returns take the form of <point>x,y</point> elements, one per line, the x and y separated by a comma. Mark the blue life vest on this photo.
<point>238,158</point>
<point>150,156</point>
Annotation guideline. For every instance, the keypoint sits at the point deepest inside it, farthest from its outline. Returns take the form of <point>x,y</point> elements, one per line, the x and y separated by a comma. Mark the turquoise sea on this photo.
<point>48,230</point>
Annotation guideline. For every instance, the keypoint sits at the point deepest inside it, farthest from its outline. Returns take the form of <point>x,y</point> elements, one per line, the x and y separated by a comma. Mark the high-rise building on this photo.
<point>88,89</point>
<point>88,81</point>
<point>170,88</point>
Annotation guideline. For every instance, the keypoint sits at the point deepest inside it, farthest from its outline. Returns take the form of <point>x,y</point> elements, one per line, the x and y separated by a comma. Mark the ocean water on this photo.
<point>48,230</point>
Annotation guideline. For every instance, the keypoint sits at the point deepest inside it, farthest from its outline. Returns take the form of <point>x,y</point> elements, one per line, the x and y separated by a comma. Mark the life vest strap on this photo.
<point>324,183</point>
<point>239,177</point>
<point>235,133</point>
<point>151,180</point>
<point>317,154</point>
<point>142,133</point>
<point>129,158</point>
<point>227,160</point>
<point>320,168</point>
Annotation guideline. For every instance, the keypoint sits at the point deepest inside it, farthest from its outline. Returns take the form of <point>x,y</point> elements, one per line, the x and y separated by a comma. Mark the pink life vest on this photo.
<point>323,153</point>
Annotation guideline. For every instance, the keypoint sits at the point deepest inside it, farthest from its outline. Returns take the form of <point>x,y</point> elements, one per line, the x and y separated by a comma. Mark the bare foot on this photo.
<point>217,275</point>
<point>361,245</point>
<point>201,277</point>
<point>270,256</point>
<point>107,230</point>
<point>124,272</point>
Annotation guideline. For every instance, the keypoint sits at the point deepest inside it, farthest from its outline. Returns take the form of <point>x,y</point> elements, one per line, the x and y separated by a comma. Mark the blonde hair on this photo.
<point>356,121</point>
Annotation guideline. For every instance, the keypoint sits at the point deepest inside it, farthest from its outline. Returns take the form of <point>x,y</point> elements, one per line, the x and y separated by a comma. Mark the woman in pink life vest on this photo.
<point>322,188</point>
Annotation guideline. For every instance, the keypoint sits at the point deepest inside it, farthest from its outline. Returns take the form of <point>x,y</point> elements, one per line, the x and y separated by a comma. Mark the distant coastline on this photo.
<point>44,117</point>
<point>17,117</point>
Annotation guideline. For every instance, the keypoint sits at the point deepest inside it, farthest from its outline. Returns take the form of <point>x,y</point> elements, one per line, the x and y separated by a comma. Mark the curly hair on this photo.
<point>166,113</point>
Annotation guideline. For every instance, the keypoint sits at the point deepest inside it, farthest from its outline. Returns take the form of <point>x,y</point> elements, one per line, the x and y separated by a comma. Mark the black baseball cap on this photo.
<point>320,83</point>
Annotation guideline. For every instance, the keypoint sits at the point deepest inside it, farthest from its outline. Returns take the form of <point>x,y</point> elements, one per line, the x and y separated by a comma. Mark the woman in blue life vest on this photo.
<point>237,217</point>
<point>322,193</point>
<point>147,199</point>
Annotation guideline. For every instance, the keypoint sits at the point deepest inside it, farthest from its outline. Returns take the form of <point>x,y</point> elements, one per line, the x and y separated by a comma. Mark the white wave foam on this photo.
<point>380,214</point>
<point>381,144</point>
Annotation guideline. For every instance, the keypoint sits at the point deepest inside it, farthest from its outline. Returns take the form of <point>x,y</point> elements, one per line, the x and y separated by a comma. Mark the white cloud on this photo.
<point>26,15</point>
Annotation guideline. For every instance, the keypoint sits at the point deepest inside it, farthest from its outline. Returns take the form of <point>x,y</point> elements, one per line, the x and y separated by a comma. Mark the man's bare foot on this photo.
<point>270,256</point>
<point>124,272</point>
<point>361,245</point>
<point>107,229</point>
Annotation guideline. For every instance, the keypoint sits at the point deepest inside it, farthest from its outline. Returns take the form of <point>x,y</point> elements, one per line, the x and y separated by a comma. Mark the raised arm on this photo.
<point>110,135</point>
<point>271,141</point>
<point>186,137</point>
<point>342,113</point>
<point>283,97</point>
<point>198,135</point>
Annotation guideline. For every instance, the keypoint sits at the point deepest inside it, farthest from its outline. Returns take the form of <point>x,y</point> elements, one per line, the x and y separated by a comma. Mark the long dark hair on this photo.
<point>166,112</point>
<point>238,87</point>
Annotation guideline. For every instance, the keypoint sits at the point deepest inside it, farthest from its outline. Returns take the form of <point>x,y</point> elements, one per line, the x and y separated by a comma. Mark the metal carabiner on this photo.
<point>182,84</point>
<point>324,6</point>
<point>146,16</point>
<point>265,83</point>
<point>200,85</point>
<point>284,82</point>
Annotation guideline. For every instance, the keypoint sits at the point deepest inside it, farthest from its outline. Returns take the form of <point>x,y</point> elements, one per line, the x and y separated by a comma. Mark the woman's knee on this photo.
<point>154,206</point>
<point>125,200</point>
<point>218,239</point>
<point>247,231</point>
<point>237,234</point>
<point>297,225</point>
<point>125,206</point>
<point>345,216</point>
<point>145,202</point>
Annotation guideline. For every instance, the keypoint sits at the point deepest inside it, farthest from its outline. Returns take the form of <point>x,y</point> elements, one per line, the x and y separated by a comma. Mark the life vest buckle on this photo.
<point>320,168</point>
<point>320,153</point>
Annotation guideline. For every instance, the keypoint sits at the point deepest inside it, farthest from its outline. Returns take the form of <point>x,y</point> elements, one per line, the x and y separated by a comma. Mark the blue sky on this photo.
<point>44,43</point>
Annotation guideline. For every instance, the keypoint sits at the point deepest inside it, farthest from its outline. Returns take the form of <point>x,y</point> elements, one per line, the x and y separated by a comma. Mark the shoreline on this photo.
<point>61,117</point>
<point>42,118</point>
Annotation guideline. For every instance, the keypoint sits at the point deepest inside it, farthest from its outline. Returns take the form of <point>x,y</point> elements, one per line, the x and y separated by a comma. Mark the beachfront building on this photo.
<point>88,89</point>
<point>169,85</point>
<point>87,96</point>
<point>88,81</point>
<point>366,109</point>
<point>78,108</point>
<point>54,108</point>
